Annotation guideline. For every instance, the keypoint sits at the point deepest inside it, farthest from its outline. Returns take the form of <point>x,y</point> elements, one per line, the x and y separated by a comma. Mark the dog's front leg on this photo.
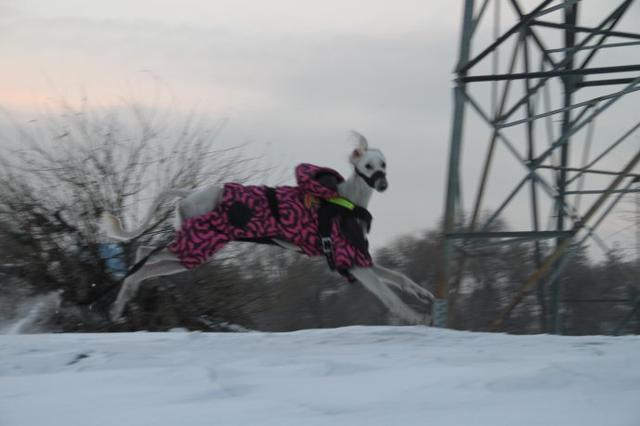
<point>368,278</point>
<point>405,284</point>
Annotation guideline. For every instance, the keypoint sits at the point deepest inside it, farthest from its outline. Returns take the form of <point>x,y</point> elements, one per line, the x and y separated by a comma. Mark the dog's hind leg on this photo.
<point>161,264</point>
<point>368,278</point>
<point>144,251</point>
<point>404,283</point>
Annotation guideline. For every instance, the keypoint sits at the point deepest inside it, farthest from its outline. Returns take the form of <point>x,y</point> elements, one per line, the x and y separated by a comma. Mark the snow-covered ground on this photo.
<point>349,376</point>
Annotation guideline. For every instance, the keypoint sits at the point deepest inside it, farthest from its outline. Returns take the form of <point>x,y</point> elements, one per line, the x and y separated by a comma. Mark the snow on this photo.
<point>349,376</point>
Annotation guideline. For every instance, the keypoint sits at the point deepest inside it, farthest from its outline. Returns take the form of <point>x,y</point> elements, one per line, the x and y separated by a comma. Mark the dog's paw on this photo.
<point>108,222</point>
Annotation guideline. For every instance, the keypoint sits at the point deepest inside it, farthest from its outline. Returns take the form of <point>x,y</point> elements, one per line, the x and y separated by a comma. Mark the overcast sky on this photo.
<point>291,76</point>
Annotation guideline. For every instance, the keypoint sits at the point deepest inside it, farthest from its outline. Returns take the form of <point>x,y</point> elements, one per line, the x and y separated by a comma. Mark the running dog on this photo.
<point>323,215</point>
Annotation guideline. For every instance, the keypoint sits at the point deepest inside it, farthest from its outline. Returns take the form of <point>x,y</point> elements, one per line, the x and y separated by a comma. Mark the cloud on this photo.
<point>252,17</point>
<point>316,70</point>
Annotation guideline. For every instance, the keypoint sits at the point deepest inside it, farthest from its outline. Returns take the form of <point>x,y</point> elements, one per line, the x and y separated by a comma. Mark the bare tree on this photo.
<point>59,172</point>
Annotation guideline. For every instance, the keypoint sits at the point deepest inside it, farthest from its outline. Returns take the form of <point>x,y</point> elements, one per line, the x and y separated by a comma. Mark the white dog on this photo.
<point>369,173</point>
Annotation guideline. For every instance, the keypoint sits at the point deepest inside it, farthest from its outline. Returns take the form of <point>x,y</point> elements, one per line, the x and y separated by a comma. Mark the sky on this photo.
<point>292,77</point>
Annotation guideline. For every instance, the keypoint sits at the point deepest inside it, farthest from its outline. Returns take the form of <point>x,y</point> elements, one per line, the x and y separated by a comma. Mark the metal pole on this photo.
<point>548,74</point>
<point>537,251</point>
<point>587,30</point>
<point>570,15</point>
<point>637,180</point>
<point>497,111</point>
<point>441,314</point>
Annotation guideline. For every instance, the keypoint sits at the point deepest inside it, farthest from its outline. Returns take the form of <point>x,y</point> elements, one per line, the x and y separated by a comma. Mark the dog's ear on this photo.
<point>361,146</point>
<point>355,156</point>
<point>361,141</point>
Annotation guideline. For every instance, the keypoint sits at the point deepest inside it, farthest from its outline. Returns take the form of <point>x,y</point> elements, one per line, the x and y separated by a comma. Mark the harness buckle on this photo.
<point>327,249</point>
<point>327,245</point>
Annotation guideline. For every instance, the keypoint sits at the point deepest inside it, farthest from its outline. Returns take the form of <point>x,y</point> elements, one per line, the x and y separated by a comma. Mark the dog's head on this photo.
<point>369,164</point>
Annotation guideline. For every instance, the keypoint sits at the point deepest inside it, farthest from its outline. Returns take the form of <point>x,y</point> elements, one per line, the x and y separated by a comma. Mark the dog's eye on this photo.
<point>369,166</point>
<point>384,165</point>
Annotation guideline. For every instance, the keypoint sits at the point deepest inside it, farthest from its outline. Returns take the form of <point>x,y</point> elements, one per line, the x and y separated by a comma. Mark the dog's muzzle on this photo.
<point>381,183</point>
<point>377,181</point>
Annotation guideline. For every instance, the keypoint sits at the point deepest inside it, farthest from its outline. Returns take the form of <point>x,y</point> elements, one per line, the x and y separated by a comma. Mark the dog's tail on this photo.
<point>112,226</point>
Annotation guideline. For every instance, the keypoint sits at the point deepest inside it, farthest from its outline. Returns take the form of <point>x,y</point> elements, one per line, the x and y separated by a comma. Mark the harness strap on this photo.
<point>329,209</point>
<point>326,212</point>
<point>342,202</point>
<point>272,199</point>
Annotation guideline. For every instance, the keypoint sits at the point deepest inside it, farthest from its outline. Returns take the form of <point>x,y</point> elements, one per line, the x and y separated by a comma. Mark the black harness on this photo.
<point>348,216</point>
<point>333,209</point>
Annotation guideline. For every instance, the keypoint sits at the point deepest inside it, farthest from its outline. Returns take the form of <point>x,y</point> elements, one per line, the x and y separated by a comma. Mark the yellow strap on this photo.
<point>342,202</point>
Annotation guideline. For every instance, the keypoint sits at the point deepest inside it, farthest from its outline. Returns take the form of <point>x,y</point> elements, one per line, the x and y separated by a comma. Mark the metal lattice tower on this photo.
<point>538,106</point>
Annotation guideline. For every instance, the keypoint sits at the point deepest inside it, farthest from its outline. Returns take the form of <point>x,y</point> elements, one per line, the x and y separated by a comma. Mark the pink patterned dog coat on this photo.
<point>260,214</point>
